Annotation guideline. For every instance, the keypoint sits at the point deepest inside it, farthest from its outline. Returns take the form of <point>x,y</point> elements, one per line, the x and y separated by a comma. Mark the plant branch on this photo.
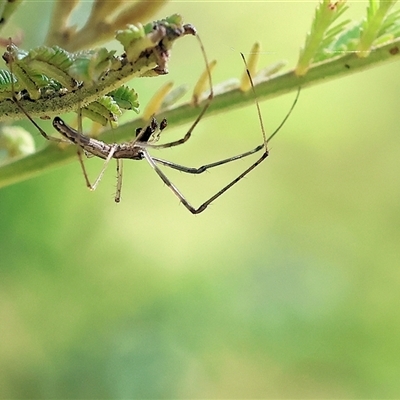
<point>53,156</point>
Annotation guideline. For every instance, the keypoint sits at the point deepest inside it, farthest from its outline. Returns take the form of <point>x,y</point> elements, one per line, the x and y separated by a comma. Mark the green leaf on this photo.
<point>52,62</point>
<point>88,66</point>
<point>103,111</point>
<point>376,14</point>
<point>126,98</point>
<point>326,13</point>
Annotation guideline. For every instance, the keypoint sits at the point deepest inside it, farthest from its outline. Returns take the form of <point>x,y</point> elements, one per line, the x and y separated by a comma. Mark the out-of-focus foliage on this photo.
<point>286,287</point>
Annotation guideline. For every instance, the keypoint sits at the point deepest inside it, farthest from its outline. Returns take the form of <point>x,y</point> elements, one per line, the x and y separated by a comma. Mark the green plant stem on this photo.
<point>71,101</point>
<point>52,156</point>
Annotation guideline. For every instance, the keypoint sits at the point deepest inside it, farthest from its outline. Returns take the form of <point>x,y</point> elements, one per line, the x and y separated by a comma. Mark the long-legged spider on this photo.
<point>146,138</point>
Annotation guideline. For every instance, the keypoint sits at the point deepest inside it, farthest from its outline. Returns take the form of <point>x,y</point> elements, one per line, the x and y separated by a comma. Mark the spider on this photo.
<point>146,138</point>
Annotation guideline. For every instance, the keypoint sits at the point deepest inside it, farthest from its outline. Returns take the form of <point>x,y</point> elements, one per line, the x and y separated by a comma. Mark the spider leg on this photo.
<point>257,104</point>
<point>153,161</point>
<point>100,176</point>
<point>42,132</point>
<point>79,148</point>
<point>117,198</point>
<point>165,179</point>
<point>233,182</point>
<point>9,61</point>
<point>202,112</point>
<point>109,157</point>
<point>82,164</point>
<point>183,199</point>
<point>206,167</point>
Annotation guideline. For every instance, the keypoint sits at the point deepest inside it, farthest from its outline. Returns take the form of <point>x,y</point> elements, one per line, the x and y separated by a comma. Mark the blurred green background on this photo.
<point>286,287</point>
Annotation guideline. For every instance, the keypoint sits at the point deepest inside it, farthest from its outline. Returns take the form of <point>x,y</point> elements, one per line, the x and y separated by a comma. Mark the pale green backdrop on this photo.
<point>286,287</point>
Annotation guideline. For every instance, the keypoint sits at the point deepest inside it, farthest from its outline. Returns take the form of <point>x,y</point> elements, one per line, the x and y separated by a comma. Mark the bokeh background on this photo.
<point>286,287</point>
